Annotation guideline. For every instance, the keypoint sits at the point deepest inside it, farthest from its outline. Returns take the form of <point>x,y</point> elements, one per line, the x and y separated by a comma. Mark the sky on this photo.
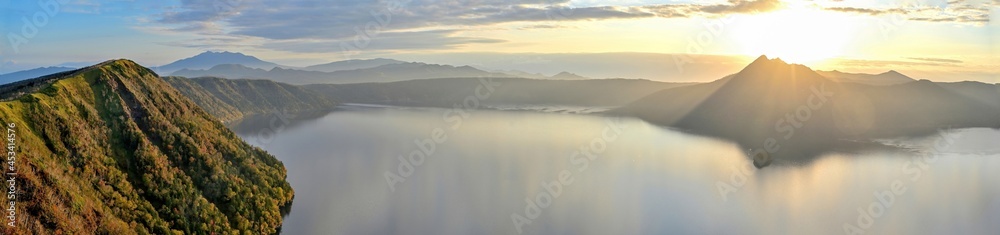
<point>945,40</point>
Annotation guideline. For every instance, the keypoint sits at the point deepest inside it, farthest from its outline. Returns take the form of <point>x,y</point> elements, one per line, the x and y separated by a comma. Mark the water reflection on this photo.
<point>649,180</point>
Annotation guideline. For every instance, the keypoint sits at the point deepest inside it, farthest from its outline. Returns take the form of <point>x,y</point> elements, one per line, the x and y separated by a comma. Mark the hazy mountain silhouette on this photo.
<point>351,65</point>
<point>567,76</point>
<point>888,78</point>
<point>384,73</point>
<point>31,73</point>
<point>233,99</point>
<point>210,59</point>
<point>234,71</point>
<point>446,92</point>
<point>798,113</point>
<point>521,74</point>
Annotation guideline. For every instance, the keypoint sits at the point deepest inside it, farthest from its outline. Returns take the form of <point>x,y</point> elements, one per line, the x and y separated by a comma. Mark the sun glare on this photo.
<point>795,34</point>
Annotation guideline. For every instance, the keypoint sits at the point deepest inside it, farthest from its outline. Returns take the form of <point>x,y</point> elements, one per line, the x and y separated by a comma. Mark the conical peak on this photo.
<point>778,60</point>
<point>222,52</point>
<point>761,59</point>
<point>892,72</point>
<point>763,63</point>
<point>764,70</point>
<point>120,66</point>
<point>117,62</point>
<point>764,59</point>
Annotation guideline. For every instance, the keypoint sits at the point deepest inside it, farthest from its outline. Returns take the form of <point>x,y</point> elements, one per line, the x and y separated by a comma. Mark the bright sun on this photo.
<point>794,34</point>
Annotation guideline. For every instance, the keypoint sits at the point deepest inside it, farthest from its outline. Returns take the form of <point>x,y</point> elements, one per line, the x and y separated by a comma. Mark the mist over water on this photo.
<point>647,180</point>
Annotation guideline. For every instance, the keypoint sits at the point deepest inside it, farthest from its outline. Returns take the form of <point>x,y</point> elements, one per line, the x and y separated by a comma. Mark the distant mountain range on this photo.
<point>351,65</point>
<point>235,65</point>
<point>789,112</point>
<point>446,92</point>
<point>521,74</point>
<point>231,71</point>
<point>567,76</point>
<point>883,79</point>
<point>210,59</point>
<point>383,73</point>
<point>233,99</point>
<point>31,73</point>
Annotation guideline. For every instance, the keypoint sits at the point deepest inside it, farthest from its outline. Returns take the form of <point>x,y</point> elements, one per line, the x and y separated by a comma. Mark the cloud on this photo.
<point>743,6</point>
<point>955,11</point>
<point>220,42</point>
<point>281,24</point>
<point>545,26</point>
<point>891,63</point>
<point>935,60</point>
<point>432,39</point>
<point>867,11</point>
<point>286,20</point>
<point>202,11</point>
<point>311,21</point>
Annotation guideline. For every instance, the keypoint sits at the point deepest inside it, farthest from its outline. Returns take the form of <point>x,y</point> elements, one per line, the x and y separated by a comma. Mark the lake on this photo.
<point>393,170</point>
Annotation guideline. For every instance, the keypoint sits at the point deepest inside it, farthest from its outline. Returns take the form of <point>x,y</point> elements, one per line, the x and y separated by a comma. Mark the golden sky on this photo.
<point>935,39</point>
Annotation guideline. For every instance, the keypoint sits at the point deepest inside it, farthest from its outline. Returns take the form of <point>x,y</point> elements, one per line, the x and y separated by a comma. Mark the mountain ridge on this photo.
<point>798,114</point>
<point>351,64</point>
<point>445,92</point>
<point>31,73</point>
<point>209,59</point>
<point>891,77</point>
<point>233,99</point>
<point>567,76</point>
<point>383,73</point>
<point>113,149</point>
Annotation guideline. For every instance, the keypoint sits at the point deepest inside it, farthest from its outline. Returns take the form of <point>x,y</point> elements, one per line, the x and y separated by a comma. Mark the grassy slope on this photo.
<point>114,149</point>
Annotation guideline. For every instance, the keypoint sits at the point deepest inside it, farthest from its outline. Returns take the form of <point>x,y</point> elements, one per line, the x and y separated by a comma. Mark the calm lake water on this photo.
<point>578,174</point>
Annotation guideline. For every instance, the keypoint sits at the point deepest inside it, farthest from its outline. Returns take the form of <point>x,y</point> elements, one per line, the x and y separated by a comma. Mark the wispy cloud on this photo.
<point>743,6</point>
<point>891,63</point>
<point>323,23</point>
<point>956,11</point>
<point>417,40</point>
<point>867,11</point>
<point>935,60</point>
<point>220,42</point>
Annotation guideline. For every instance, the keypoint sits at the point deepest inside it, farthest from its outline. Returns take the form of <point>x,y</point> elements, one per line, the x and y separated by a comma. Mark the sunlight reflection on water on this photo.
<point>650,180</point>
